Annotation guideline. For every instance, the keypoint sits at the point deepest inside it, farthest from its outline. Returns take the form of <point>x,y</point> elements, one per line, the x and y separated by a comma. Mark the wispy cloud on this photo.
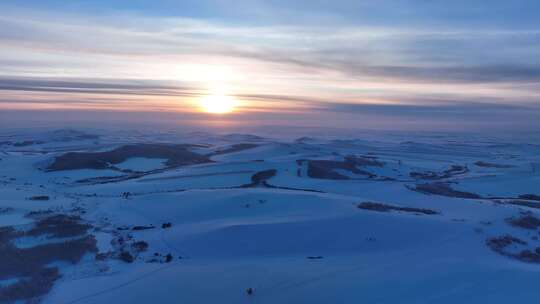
<point>346,67</point>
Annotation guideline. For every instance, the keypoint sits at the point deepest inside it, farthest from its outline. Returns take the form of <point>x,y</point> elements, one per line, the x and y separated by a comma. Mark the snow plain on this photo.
<point>298,236</point>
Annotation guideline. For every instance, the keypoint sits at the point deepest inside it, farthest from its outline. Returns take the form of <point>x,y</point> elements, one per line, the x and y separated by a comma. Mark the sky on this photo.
<point>396,65</point>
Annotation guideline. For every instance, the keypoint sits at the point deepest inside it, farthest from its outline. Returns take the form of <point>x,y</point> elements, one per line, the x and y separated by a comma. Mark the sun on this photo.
<point>218,104</point>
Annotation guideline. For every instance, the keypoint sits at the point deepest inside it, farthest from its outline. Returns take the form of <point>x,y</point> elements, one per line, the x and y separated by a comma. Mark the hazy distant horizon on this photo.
<point>32,128</point>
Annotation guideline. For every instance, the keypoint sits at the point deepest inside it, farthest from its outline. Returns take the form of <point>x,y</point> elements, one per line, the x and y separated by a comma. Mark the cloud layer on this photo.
<point>398,59</point>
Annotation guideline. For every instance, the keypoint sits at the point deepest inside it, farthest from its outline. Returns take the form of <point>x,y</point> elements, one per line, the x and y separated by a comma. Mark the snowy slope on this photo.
<point>284,218</point>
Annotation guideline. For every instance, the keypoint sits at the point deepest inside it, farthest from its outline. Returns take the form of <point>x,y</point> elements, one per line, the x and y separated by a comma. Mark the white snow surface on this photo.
<point>302,240</point>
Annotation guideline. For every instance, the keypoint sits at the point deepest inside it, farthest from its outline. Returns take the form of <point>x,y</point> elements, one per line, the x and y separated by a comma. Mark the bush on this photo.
<point>126,257</point>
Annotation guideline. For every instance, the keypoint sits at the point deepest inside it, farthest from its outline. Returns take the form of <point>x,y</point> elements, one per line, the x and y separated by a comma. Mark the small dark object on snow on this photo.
<point>140,246</point>
<point>492,165</point>
<point>39,198</point>
<point>317,257</point>
<point>249,291</point>
<point>386,208</point>
<point>168,258</point>
<point>142,227</point>
<point>126,257</point>
<point>166,225</point>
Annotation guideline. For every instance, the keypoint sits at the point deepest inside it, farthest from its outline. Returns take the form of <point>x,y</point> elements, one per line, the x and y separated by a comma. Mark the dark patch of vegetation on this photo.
<point>260,178</point>
<point>59,226</point>
<point>529,256</point>
<point>364,161</point>
<point>102,256</point>
<point>39,198</point>
<point>71,251</point>
<point>166,225</point>
<point>126,248</point>
<point>527,221</point>
<point>30,265</point>
<point>501,245</point>
<point>492,165</point>
<point>140,246</point>
<point>324,169</point>
<point>234,148</point>
<point>31,287</point>
<point>138,228</point>
<point>38,213</point>
<point>443,189</point>
<point>176,155</point>
<point>168,258</point>
<point>432,175</point>
<point>112,179</point>
<point>522,203</point>
<point>387,208</point>
<point>126,257</point>
<point>263,176</point>
<point>28,143</point>
<point>532,197</point>
<point>317,257</point>
<point>424,175</point>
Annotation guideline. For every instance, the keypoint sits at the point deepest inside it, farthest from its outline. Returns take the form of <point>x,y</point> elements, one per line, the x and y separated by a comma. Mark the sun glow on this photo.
<point>218,104</point>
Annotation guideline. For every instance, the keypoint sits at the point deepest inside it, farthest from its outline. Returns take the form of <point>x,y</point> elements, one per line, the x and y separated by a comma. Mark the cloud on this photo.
<point>410,70</point>
<point>456,74</point>
<point>462,108</point>
<point>94,86</point>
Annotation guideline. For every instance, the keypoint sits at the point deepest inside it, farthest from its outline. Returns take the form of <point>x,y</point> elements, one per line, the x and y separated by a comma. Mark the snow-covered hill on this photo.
<point>123,217</point>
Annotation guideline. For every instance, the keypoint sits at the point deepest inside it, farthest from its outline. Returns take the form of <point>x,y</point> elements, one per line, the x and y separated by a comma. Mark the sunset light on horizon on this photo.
<point>169,57</point>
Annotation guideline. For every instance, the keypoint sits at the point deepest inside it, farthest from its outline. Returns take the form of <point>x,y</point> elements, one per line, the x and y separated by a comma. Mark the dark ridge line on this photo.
<point>527,202</point>
<point>269,186</point>
<point>197,175</point>
<point>135,175</point>
<point>121,178</point>
<point>245,186</point>
<point>382,207</point>
<point>233,149</point>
